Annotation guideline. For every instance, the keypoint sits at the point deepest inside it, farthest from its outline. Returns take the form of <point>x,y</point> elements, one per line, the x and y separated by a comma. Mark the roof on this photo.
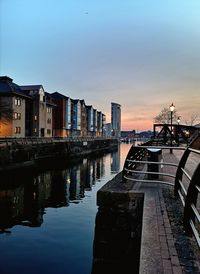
<point>75,100</point>
<point>82,101</point>
<point>31,87</point>
<point>88,106</point>
<point>115,104</point>
<point>8,87</point>
<point>58,95</point>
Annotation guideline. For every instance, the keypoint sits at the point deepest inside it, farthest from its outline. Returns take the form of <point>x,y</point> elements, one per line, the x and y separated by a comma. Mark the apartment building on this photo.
<point>13,104</point>
<point>99,123</point>
<point>61,115</point>
<point>38,111</point>
<point>84,128</point>
<point>90,120</point>
<point>76,117</point>
<point>33,112</point>
<point>94,122</point>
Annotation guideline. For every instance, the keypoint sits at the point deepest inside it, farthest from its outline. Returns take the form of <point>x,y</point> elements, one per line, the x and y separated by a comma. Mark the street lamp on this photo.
<point>172,107</point>
<point>178,130</point>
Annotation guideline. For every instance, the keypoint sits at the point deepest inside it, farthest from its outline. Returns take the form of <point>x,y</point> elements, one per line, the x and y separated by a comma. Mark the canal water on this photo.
<point>47,220</point>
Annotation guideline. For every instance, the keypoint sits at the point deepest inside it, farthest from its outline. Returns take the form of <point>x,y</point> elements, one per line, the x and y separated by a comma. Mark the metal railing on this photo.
<point>136,157</point>
<point>189,196</point>
<point>186,186</point>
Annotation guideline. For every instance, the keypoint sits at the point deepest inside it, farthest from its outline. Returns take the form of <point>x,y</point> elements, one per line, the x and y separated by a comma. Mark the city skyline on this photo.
<point>141,55</point>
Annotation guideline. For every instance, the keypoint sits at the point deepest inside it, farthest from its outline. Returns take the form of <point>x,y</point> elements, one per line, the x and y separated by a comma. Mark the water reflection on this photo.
<point>115,161</point>
<point>64,235</point>
<point>25,203</point>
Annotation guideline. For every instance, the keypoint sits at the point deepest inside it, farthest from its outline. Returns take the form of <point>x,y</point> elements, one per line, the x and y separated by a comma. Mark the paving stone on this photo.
<point>170,243</point>
<point>165,254</point>
<point>168,271</point>
<point>177,270</point>
<point>175,261</point>
<point>166,239</point>
<point>172,251</point>
<point>167,264</point>
<point>163,239</point>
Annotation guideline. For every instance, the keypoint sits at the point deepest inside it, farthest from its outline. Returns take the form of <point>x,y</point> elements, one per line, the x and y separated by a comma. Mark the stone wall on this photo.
<point>118,229</point>
<point>18,153</point>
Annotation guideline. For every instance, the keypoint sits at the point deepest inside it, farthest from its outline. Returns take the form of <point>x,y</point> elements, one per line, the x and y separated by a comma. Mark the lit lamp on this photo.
<point>187,133</point>
<point>172,107</point>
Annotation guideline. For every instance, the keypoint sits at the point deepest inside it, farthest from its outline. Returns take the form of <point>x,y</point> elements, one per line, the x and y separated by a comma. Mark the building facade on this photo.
<point>116,119</point>
<point>61,115</point>
<point>90,120</point>
<point>107,130</point>
<point>84,128</point>
<point>94,122</point>
<point>36,113</point>
<point>13,104</point>
<point>99,123</point>
<point>76,117</point>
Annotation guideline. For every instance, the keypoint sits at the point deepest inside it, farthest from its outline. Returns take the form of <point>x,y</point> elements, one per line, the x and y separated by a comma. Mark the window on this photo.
<point>48,110</point>
<point>35,129</point>
<point>35,117</point>
<point>41,95</point>
<point>48,121</point>
<point>17,130</point>
<point>17,102</point>
<point>48,131</point>
<point>17,116</point>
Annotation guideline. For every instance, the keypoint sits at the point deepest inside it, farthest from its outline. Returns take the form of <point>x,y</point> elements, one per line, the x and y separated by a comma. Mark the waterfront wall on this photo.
<point>16,154</point>
<point>118,229</point>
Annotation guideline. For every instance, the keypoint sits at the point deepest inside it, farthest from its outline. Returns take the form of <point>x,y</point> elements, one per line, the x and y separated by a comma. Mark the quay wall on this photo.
<point>24,154</point>
<point>118,227</point>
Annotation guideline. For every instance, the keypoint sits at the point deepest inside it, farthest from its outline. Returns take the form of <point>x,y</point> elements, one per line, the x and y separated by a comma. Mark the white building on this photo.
<point>116,119</point>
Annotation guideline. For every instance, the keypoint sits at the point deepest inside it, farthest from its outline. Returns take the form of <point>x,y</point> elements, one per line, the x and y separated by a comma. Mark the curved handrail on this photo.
<point>179,172</point>
<point>190,211</point>
<point>188,196</point>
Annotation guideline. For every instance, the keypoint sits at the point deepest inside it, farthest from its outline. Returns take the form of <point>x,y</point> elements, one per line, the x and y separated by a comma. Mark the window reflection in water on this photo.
<point>24,202</point>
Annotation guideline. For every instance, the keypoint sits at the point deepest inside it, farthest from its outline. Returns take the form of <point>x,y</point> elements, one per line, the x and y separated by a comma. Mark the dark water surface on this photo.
<point>47,220</point>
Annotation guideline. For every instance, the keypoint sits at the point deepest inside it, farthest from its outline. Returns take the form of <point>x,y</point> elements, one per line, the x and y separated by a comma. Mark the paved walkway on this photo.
<point>159,243</point>
<point>158,252</point>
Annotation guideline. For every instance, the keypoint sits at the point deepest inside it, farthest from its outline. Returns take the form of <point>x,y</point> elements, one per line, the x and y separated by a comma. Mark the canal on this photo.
<point>47,219</point>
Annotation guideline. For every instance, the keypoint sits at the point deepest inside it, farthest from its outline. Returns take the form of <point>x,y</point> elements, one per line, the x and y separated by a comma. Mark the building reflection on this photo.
<point>24,202</point>
<point>115,161</point>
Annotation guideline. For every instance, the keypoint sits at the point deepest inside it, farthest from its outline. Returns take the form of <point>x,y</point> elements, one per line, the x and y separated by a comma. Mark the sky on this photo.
<point>142,54</point>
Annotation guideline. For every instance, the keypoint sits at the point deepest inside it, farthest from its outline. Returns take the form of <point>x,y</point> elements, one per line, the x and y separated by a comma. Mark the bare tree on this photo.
<point>6,112</point>
<point>164,117</point>
<point>192,120</point>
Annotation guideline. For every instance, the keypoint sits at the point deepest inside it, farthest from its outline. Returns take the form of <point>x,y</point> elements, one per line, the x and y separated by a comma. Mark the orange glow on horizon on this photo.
<point>138,125</point>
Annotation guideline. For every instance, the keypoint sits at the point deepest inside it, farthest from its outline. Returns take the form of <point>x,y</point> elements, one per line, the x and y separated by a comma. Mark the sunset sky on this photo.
<point>142,54</point>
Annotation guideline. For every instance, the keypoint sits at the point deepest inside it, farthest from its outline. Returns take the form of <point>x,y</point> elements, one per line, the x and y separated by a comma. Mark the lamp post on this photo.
<point>178,130</point>
<point>172,107</point>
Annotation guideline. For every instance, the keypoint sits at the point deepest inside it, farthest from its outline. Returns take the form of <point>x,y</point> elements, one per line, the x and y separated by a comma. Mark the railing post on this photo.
<point>179,172</point>
<point>191,198</point>
<point>126,163</point>
<point>130,156</point>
